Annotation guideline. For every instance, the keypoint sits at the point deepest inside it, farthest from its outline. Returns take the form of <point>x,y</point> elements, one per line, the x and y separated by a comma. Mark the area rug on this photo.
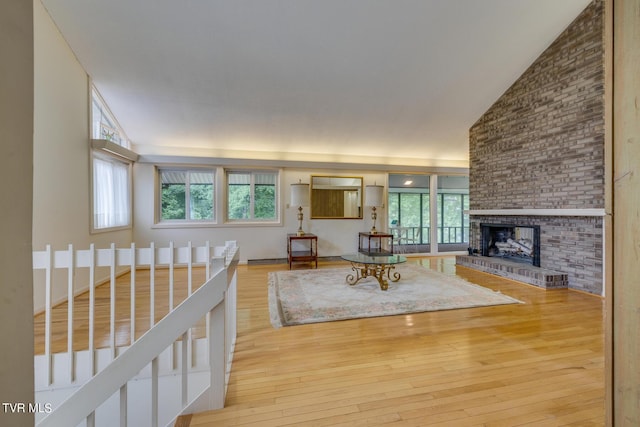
<point>310,296</point>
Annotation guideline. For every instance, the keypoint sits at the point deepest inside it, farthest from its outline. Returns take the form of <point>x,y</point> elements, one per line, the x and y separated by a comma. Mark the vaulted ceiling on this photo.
<point>368,81</point>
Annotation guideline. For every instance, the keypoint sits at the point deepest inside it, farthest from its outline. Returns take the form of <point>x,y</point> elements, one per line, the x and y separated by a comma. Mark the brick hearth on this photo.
<point>541,277</point>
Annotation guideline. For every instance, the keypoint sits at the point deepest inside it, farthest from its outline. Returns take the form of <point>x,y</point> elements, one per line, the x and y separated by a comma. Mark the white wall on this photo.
<point>61,193</point>
<point>335,237</point>
<point>61,188</point>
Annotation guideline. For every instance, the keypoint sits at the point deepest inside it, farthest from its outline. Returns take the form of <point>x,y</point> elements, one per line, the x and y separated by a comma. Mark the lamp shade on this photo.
<point>300,194</point>
<point>373,195</point>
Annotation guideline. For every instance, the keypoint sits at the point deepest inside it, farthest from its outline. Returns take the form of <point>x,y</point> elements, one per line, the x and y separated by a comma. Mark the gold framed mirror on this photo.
<point>336,197</point>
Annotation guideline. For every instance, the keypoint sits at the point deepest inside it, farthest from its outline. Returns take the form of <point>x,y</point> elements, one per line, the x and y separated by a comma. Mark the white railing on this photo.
<point>194,373</point>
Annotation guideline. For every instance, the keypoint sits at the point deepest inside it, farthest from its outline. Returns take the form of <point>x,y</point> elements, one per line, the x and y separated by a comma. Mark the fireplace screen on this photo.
<point>514,242</point>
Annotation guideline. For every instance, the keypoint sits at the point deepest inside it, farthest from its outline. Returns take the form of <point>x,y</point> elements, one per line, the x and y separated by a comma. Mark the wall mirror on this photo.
<point>336,197</point>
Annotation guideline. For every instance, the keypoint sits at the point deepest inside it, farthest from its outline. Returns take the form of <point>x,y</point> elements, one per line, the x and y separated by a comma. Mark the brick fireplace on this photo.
<point>537,160</point>
<point>569,245</point>
<point>513,242</point>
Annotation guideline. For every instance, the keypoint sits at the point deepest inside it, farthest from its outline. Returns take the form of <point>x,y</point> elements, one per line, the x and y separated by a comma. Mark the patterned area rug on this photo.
<point>311,296</point>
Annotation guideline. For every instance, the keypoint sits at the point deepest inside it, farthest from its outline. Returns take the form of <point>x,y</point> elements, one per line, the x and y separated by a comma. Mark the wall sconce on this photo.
<point>373,198</point>
<point>300,198</point>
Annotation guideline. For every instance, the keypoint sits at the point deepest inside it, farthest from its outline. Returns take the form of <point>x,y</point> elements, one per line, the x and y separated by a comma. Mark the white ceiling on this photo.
<point>367,81</point>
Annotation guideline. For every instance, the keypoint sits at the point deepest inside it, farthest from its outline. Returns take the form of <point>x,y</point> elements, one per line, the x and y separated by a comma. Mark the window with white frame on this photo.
<point>252,196</point>
<point>111,192</point>
<point>187,195</point>
<point>103,123</point>
<point>453,207</point>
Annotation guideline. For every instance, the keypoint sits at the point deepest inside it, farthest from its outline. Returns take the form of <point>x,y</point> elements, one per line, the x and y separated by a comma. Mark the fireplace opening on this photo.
<point>514,242</point>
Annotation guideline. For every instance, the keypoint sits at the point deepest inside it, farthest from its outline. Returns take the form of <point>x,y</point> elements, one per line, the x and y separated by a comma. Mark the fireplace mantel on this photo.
<point>539,212</point>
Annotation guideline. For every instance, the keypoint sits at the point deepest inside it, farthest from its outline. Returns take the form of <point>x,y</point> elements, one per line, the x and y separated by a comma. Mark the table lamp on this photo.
<point>373,198</point>
<point>300,198</point>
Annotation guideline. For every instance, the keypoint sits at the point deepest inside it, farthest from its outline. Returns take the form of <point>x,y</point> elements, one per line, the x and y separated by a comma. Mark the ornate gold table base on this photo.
<point>382,273</point>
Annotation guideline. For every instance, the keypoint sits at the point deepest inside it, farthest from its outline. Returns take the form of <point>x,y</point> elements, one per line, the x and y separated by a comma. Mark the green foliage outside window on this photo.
<point>173,201</point>
<point>252,196</point>
<point>201,201</point>
<point>453,223</point>
<point>239,201</point>
<point>394,209</point>
<point>265,202</point>
<point>410,210</point>
<point>187,195</point>
<point>426,218</point>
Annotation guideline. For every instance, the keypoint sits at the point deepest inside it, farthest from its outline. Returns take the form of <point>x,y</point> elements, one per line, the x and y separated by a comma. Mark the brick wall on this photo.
<point>571,245</point>
<point>541,146</point>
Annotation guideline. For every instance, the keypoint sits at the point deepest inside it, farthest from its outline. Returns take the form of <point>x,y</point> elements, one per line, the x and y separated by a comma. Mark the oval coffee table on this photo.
<point>378,266</point>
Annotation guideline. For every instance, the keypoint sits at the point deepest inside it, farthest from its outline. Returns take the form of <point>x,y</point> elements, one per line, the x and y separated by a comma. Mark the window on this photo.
<point>111,169</point>
<point>187,195</point>
<point>453,203</point>
<point>410,210</point>
<point>454,224</point>
<point>408,202</point>
<point>111,192</point>
<point>104,124</point>
<point>415,209</point>
<point>252,196</point>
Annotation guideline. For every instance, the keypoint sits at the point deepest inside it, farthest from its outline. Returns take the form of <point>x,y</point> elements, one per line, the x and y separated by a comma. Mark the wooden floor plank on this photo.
<point>485,366</point>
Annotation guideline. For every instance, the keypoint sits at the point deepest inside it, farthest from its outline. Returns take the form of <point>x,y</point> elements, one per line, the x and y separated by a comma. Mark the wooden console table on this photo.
<point>364,243</point>
<point>310,255</point>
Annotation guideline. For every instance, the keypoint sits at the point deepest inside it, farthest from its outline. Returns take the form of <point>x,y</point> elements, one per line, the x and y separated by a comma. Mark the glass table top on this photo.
<point>361,258</point>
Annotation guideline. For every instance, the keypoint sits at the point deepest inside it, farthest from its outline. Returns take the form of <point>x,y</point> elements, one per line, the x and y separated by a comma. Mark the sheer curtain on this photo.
<point>110,193</point>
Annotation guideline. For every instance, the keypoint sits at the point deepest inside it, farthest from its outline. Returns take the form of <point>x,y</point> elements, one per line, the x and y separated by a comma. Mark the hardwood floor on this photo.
<point>535,364</point>
<point>122,309</point>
